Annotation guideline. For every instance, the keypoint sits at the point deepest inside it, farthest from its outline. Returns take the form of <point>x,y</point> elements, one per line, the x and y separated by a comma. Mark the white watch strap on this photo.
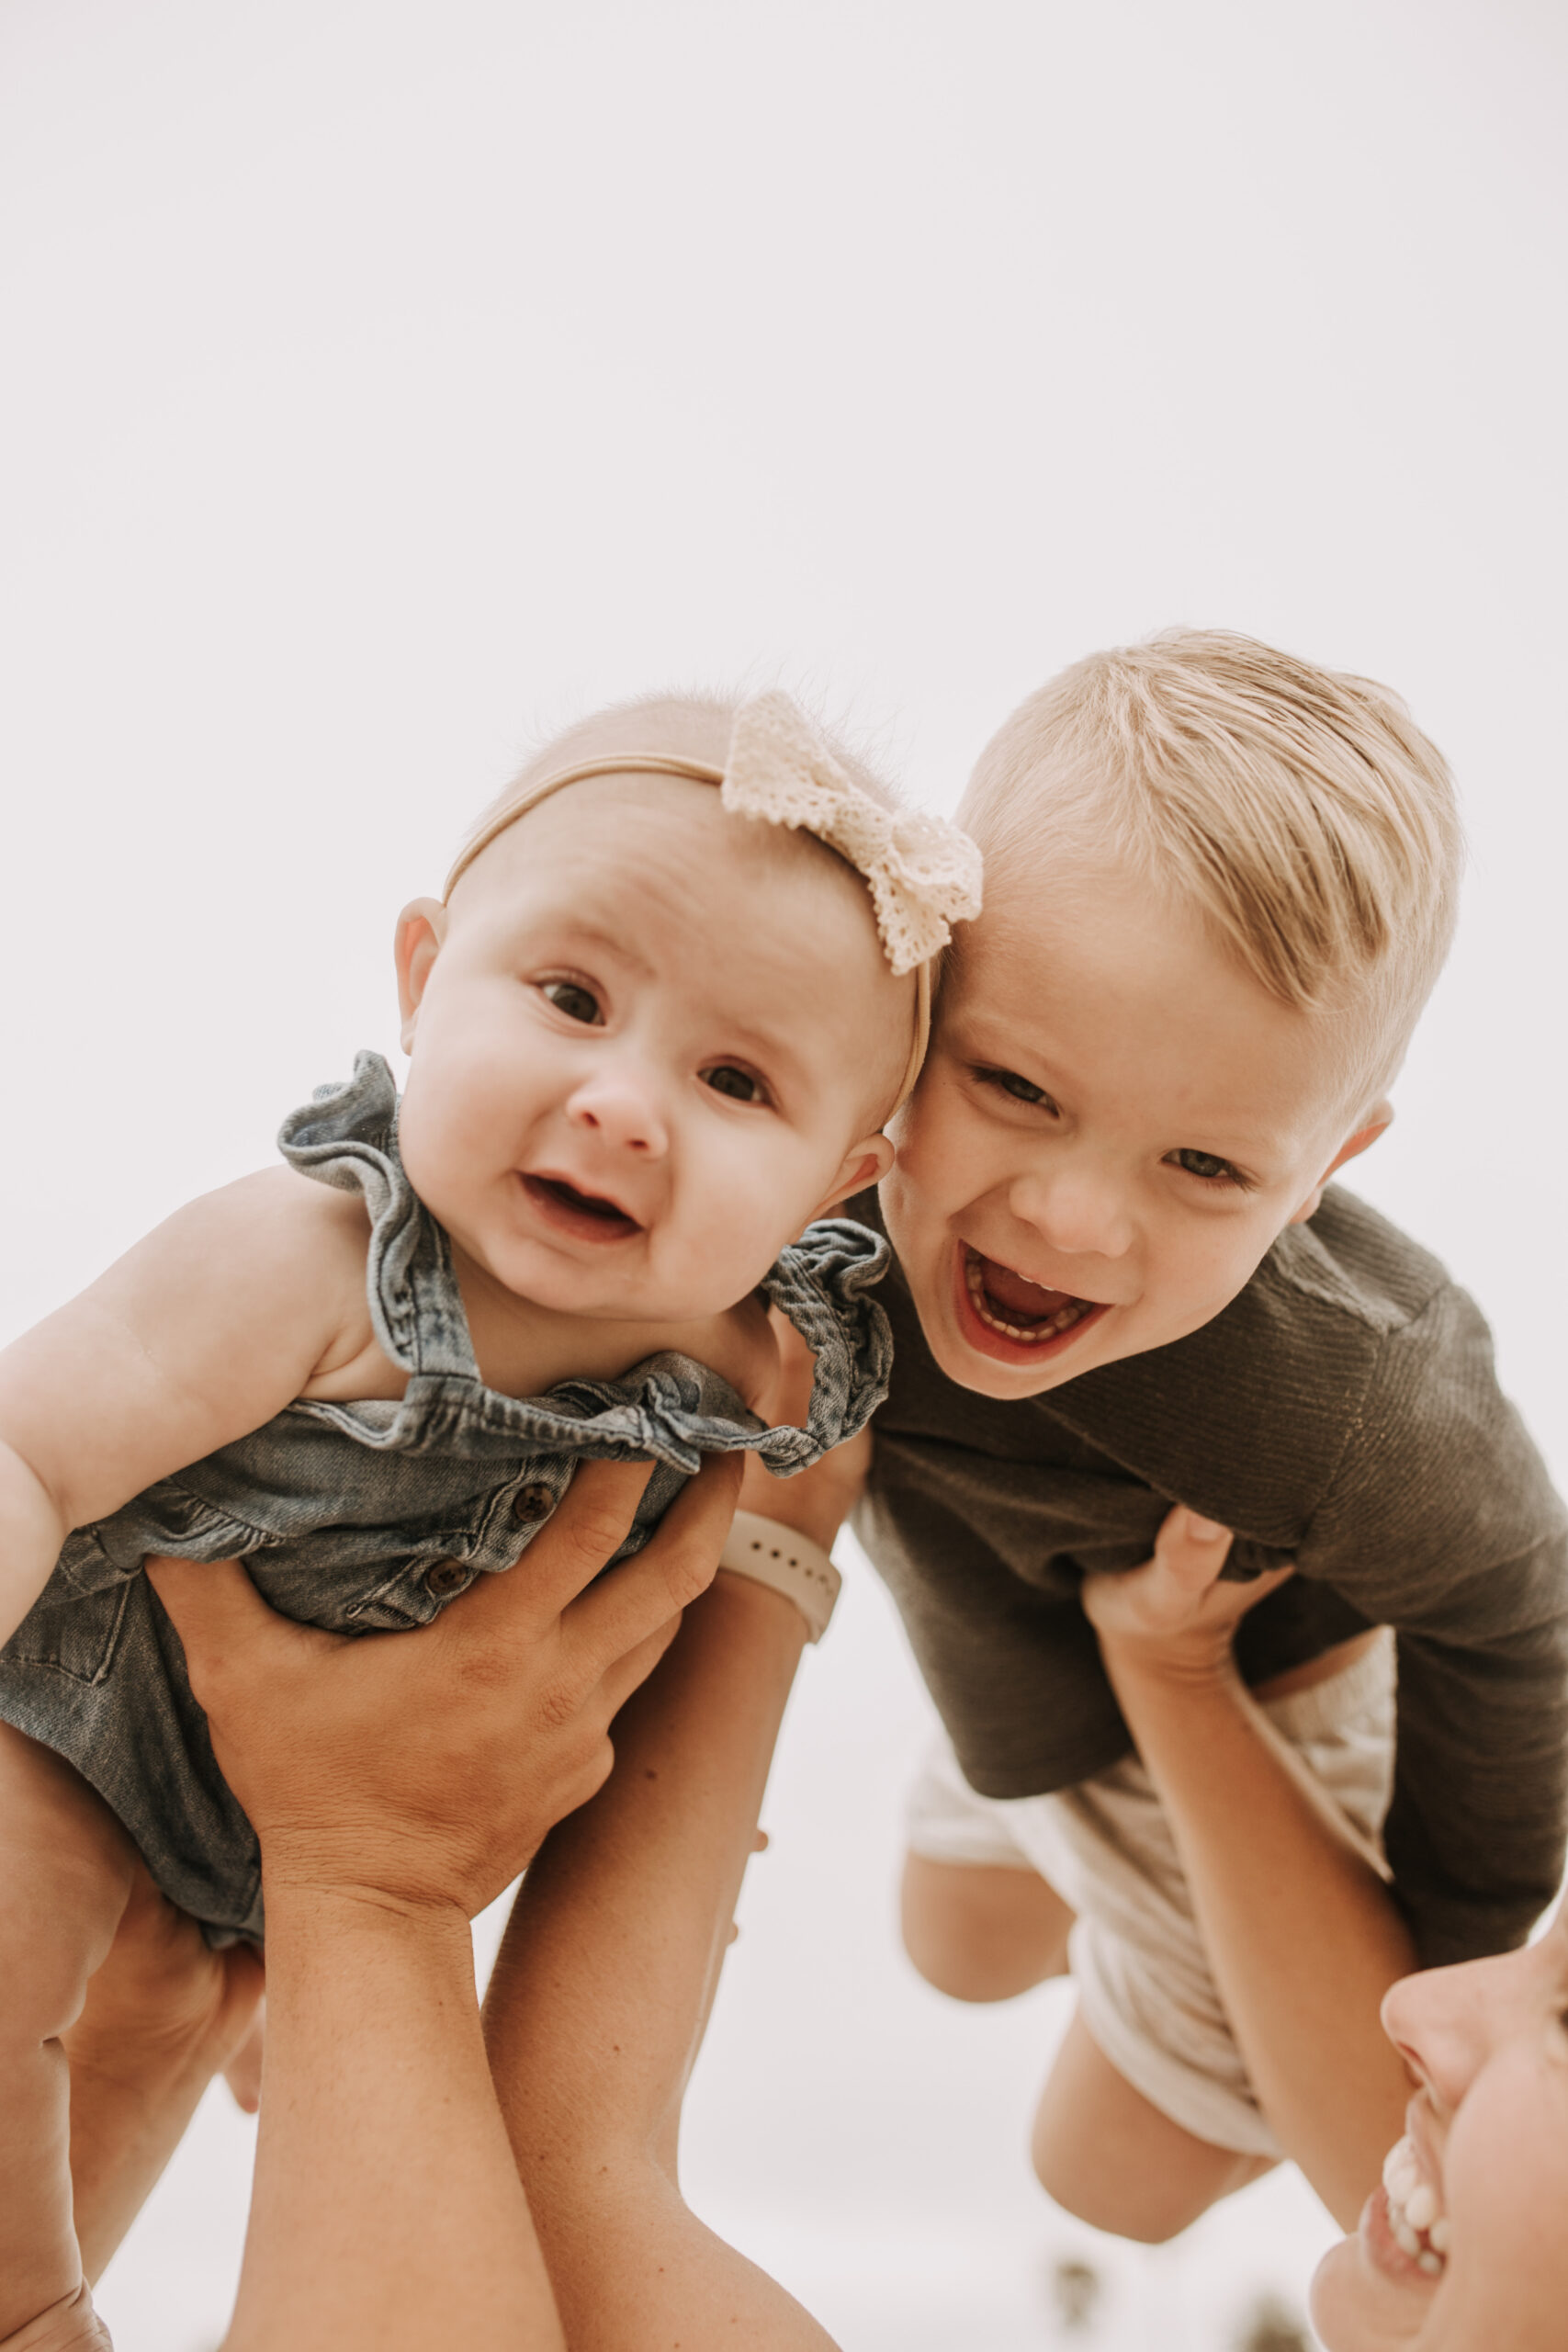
<point>786,1560</point>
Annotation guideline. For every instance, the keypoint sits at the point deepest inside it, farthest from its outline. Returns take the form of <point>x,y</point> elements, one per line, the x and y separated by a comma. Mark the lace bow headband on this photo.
<point>923,873</point>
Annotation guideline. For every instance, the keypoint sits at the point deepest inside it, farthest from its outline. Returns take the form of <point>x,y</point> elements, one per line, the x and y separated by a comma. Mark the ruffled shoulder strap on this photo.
<point>824,1284</point>
<point>347,1135</point>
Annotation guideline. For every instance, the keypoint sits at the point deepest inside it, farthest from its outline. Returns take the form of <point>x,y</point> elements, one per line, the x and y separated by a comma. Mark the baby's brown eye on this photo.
<point>569,997</point>
<point>737,1085</point>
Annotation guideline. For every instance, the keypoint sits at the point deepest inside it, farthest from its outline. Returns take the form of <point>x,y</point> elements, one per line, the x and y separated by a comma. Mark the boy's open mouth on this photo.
<point>1015,1310</point>
<point>586,1215</point>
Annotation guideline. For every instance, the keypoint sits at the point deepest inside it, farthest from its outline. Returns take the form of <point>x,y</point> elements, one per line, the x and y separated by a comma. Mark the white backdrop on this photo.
<point>385,380</point>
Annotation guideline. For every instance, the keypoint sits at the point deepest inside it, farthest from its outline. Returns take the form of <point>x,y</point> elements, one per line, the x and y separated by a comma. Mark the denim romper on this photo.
<point>375,1515</point>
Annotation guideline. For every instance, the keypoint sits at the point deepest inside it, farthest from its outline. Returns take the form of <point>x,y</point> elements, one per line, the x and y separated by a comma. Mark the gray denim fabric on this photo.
<point>374,1516</point>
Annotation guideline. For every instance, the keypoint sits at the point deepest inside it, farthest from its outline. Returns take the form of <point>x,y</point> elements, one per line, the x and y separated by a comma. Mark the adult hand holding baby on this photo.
<point>396,1785</point>
<point>431,1766</point>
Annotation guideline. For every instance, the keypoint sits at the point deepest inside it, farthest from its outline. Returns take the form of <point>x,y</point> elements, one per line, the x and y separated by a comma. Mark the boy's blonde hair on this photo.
<point>1302,810</point>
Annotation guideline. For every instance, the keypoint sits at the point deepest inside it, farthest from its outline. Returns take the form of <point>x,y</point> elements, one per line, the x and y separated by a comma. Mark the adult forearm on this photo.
<point>1302,1935</point>
<point>605,1982</point>
<point>387,2210</point>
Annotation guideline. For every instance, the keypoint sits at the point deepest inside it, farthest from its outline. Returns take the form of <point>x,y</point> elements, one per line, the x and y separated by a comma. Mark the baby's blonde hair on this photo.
<point>1301,811</point>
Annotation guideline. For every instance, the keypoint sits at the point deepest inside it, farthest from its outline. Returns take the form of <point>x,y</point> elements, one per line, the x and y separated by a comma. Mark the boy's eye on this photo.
<point>739,1085</point>
<point>1008,1081</point>
<point>1204,1164</point>
<point>571,998</point>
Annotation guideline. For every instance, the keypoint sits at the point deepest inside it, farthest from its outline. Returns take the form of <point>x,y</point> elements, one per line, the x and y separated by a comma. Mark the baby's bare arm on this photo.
<point>201,1333</point>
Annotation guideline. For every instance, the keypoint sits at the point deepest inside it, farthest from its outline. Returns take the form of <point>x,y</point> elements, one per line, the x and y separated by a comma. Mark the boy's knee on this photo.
<point>1149,2213</point>
<point>980,1931</point>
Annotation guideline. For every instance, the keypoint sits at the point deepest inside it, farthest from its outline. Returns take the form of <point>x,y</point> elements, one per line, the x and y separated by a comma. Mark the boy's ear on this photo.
<point>1377,1119</point>
<point>866,1163</point>
<point>422,927</point>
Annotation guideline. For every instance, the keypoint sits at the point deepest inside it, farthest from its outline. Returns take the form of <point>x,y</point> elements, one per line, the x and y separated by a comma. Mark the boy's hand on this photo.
<point>818,1500</point>
<point>1173,1615</point>
<point>425,1767</point>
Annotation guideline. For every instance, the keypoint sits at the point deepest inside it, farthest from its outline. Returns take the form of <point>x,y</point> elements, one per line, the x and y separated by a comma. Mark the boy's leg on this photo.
<point>1106,2155</point>
<point>65,1873</point>
<point>982,1920</point>
<point>982,1931</point>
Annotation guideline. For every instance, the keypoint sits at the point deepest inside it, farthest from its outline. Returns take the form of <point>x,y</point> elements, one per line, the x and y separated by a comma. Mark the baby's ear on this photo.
<point>866,1163</point>
<point>1379,1117</point>
<point>422,927</point>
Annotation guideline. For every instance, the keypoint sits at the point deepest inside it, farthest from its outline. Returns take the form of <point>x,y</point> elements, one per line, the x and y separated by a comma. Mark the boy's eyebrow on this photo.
<point>1253,1149</point>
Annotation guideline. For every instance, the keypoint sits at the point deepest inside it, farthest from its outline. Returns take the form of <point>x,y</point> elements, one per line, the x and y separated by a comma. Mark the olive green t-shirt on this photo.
<point>1342,1412</point>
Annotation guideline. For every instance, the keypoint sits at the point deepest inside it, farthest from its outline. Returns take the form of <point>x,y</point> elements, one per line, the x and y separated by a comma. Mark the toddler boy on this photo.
<point>1220,884</point>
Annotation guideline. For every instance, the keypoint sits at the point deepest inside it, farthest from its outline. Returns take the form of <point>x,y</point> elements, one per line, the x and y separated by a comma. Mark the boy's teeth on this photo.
<point>1047,1328</point>
<point>1418,2226</point>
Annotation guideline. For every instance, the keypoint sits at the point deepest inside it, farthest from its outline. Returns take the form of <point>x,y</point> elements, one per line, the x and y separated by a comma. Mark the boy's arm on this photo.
<point>1443,1523</point>
<point>205,1329</point>
<point>1301,1931</point>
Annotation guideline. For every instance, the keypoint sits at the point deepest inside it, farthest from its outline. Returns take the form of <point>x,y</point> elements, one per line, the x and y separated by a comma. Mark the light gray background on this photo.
<point>386,381</point>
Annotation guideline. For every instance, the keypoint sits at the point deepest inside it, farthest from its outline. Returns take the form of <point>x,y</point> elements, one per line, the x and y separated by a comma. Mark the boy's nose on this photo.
<point>613,1105</point>
<point>1074,1208</point>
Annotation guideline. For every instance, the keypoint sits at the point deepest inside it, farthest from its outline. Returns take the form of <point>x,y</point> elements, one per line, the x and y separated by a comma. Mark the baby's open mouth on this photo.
<point>586,1213</point>
<point>1021,1310</point>
<point>1418,2224</point>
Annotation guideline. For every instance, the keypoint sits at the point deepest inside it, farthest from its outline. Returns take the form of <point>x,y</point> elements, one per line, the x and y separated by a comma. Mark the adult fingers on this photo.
<point>586,1530</point>
<point>1192,1549</point>
<point>219,1616</point>
<point>677,1563</point>
<point>628,1672</point>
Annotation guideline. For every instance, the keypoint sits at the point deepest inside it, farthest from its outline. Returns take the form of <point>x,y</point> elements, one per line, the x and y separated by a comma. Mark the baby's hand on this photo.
<point>1173,1614</point>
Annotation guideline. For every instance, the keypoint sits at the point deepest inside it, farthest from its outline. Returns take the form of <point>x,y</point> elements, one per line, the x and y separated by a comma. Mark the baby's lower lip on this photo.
<point>1008,1333</point>
<point>582,1214</point>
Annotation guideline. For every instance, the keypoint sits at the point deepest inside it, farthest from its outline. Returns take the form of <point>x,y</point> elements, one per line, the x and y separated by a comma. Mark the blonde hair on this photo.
<point>1300,810</point>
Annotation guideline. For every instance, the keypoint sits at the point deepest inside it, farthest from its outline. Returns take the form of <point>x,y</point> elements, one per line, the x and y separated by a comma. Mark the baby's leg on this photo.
<point>163,2015</point>
<point>66,1868</point>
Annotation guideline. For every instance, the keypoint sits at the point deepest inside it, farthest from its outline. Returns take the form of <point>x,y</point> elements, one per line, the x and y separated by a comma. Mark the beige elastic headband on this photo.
<point>923,875</point>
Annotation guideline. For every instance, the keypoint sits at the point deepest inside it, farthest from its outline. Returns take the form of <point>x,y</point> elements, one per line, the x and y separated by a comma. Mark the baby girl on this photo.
<point>655,1029</point>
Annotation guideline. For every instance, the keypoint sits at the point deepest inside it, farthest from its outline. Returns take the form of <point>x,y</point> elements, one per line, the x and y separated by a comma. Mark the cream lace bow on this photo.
<point>922,872</point>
